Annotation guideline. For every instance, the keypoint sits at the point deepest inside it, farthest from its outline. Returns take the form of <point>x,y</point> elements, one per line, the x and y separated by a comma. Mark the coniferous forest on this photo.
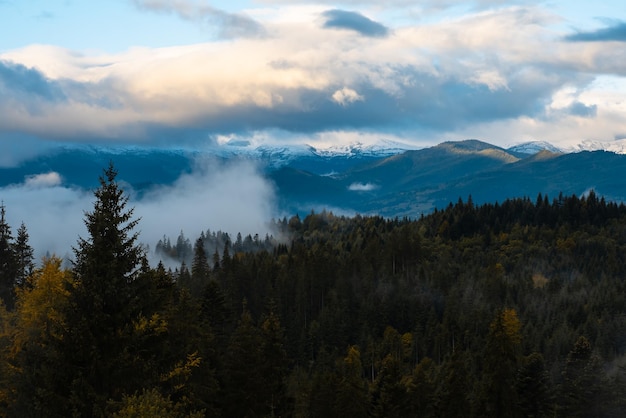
<point>510,309</point>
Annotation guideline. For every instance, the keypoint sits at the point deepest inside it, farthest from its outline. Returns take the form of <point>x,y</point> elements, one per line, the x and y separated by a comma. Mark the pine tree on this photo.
<point>191,350</point>
<point>274,363</point>
<point>8,265</point>
<point>498,397</point>
<point>23,255</point>
<point>390,394</point>
<point>214,311</point>
<point>454,393</point>
<point>351,397</point>
<point>245,385</point>
<point>422,388</point>
<point>533,387</point>
<point>584,391</point>
<point>103,314</point>
<point>199,269</point>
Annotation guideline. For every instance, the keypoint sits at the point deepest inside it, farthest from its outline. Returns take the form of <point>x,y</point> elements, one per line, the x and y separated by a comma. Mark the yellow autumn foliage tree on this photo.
<point>39,327</point>
<point>41,303</point>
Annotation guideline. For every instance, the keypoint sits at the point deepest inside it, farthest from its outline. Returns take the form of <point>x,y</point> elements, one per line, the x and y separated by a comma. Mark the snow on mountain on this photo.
<point>534,147</point>
<point>617,146</point>
<point>280,155</point>
<point>383,148</point>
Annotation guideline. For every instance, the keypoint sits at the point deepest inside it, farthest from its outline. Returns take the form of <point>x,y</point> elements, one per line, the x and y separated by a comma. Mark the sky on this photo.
<point>187,73</point>
<point>196,73</point>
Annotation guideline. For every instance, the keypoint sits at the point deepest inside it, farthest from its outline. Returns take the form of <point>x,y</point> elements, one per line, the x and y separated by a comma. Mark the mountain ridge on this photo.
<point>375,181</point>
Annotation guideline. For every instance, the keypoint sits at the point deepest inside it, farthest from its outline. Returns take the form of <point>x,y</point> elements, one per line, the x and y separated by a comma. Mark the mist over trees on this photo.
<point>511,309</point>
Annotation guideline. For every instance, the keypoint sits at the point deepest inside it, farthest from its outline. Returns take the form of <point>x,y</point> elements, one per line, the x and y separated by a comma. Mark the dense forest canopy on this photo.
<point>511,309</point>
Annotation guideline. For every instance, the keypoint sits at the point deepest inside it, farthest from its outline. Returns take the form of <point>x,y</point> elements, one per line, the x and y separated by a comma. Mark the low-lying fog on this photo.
<point>229,196</point>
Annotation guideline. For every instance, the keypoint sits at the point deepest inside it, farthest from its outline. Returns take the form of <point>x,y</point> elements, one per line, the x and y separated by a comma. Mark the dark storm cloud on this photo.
<point>236,25</point>
<point>227,25</point>
<point>422,101</point>
<point>16,148</point>
<point>16,80</point>
<point>582,110</point>
<point>428,103</point>
<point>342,19</point>
<point>615,32</point>
<point>31,88</point>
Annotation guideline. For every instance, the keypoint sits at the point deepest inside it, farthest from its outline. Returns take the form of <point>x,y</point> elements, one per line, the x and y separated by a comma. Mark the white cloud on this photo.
<point>52,215</point>
<point>441,77</point>
<point>232,197</point>
<point>362,187</point>
<point>50,179</point>
<point>346,96</point>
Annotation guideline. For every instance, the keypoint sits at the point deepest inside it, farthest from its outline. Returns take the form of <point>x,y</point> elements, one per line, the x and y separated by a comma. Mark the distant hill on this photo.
<point>376,180</point>
<point>81,167</point>
<point>417,182</point>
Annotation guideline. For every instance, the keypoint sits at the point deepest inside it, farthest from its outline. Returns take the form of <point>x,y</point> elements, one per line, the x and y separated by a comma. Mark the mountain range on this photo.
<point>386,179</point>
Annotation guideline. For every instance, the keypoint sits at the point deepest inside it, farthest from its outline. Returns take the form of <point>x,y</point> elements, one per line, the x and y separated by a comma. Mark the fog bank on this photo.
<point>230,196</point>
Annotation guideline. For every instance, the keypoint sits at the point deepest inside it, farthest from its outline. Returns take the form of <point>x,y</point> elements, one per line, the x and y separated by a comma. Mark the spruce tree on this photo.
<point>498,396</point>
<point>245,385</point>
<point>103,314</point>
<point>23,256</point>
<point>8,267</point>
<point>199,269</point>
<point>274,367</point>
<point>533,387</point>
<point>351,397</point>
<point>584,391</point>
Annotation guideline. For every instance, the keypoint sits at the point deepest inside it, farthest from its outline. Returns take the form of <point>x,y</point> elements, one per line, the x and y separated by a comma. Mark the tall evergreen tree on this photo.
<point>498,397</point>
<point>351,397</point>
<point>274,363</point>
<point>422,388</point>
<point>390,395</point>
<point>23,256</point>
<point>455,387</point>
<point>199,269</point>
<point>533,387</point>
<point>245,385</point>
<point>8,267</point>
<point>584,390</point>
<point>103,314</point>
<point>214,311</point>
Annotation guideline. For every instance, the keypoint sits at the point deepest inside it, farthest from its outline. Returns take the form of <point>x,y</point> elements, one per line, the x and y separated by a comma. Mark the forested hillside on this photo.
<point>516,309</point>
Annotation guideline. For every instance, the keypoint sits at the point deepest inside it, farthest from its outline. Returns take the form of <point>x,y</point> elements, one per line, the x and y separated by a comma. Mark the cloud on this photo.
<point>232,197</point>
<point>19,82</point>
<point>346,96</point>
<point>228,25</point>
<point>16,148</point>
<point>615,32</point>
<point>342,19</point>
<point>582,110</point>
<point>52,215</point>
<point>50,179</point>
<point>362,187</point>
<point>431,80</point>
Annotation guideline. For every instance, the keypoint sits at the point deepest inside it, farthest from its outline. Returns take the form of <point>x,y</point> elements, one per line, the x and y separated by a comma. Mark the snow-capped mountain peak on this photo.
<point>534,147</point>
<point>617,146</point>
<point>382,148</point>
